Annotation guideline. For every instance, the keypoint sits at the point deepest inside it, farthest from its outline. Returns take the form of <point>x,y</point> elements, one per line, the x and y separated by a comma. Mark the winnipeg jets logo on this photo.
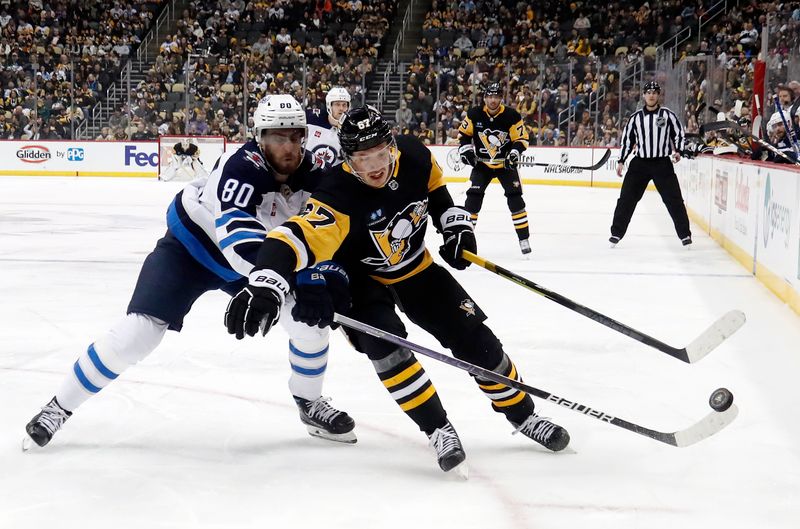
<point>394,240</point>
<point>493,141</point>
<point>325,155</point>
<point>256,159</point>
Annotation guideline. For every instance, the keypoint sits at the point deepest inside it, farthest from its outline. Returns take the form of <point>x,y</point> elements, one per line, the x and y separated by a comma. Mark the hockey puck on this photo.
<point>721,399</point>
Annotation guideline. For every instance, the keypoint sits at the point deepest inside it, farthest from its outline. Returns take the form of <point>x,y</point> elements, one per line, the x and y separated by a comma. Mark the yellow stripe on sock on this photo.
<point>521,226</point>
<point>419,399</point>
<point>512,375</point>
<point>403,375</point>
<point>509,402</point>
<point>519,215</point>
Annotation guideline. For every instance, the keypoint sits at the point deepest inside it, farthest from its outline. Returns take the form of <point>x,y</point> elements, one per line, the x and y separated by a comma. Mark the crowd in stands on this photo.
<point>240,51</point>
<point>561,62</point>
<point>41,41</point>
<point>474,42</point>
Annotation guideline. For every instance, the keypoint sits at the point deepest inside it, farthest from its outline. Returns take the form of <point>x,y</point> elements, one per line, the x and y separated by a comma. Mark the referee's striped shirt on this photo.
<point>654,134</point>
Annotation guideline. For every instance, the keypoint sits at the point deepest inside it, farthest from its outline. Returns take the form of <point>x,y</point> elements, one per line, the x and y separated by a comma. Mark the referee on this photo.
<point>656,135</point>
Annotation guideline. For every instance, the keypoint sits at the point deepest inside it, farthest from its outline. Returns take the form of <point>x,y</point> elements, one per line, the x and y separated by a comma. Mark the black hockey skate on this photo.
<point>449,452</point>
<point>45,424</point>
<point>324,421</point>
<point>540,429</point>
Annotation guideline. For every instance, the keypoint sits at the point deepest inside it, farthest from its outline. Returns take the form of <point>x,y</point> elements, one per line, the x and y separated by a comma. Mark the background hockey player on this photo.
<point>779,139</point>
<point>215,229</point>
<point>185,163</point>
<point>493,138</point>
<point>323,130</point>
<point>370,214</point>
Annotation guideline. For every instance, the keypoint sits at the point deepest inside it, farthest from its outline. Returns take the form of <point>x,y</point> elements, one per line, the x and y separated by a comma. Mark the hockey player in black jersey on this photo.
<point>493,138</point>
<point>214,230</point>
<point>370,215</point>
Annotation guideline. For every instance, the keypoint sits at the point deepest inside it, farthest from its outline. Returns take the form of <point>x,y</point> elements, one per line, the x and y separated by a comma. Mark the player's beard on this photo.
<point>286,163</point>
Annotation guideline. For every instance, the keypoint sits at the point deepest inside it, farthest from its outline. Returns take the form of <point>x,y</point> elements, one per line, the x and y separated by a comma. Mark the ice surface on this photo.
<point>203,433</point>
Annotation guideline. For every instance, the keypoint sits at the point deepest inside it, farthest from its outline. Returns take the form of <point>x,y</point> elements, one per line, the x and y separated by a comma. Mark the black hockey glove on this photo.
<point>258,305</point>
<point>467,155</point>
<point>319,292</point>
<point>458,236</point>
<point>512,159</point>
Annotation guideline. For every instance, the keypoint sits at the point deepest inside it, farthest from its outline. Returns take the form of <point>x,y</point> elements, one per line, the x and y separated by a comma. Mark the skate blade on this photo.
<point>460,471</point>
<point>347,437</point>
<point>29,444</point>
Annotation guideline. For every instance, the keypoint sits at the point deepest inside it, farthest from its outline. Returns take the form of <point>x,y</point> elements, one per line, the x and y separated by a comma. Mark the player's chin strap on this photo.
<point>695,351</point>
<point>705,427</point>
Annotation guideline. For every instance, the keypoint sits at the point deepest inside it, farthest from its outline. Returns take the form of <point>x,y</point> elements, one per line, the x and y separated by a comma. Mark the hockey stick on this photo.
<point>593,167</point>
<point>694,352</point>
<point>789,129</point>
<point>724,125</point>
<point>705,427</point>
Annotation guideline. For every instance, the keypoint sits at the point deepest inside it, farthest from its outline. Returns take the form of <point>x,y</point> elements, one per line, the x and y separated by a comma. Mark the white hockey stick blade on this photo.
<point>708,426</point>
<point>722,329</point>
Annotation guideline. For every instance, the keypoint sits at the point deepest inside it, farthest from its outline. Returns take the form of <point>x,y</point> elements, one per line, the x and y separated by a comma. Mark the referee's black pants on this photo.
<point>640,172</point>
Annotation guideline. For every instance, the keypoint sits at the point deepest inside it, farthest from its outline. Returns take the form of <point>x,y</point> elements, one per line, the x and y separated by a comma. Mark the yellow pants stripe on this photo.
<point>509,402</point>
<point>512,375</point>
<point>403,375</point>
<point>419,399</point>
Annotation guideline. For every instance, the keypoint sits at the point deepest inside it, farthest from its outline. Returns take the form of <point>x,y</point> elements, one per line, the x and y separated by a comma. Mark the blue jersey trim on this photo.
<point>84,380</point>
<point>195,247</point>
<point>309,372</point>
<point>106,372</point>
<point>241,236</point>
<point>230,215</point>
<point>302,354</point>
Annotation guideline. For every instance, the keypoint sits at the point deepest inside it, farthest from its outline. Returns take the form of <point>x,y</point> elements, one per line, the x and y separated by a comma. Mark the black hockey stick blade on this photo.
<point>594,167</point>
<point>706,427</point>
<point>695,351</point>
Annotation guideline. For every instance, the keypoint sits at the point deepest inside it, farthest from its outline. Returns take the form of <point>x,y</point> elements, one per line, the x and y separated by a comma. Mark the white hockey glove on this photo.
<point>458,236</point>
<point>258,305</point>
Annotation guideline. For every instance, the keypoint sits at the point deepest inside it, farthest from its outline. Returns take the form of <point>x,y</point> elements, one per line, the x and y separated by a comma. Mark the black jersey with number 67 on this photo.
<point>379,232</point>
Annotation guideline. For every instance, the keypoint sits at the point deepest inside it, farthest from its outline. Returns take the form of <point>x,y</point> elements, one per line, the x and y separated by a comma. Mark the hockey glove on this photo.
<point>467,155</point>
<point>319,292</point>
<point>258,305</point>
<point>458,236</point>
<point>512,159</point>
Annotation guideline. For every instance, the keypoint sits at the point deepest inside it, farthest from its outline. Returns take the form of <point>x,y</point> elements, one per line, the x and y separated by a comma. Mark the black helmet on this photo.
<point>494,89</point>
<point>363,128</point>
<point>651,85</point>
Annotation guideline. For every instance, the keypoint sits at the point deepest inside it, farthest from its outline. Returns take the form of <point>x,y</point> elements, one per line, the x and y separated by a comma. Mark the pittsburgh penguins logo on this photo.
<point>493,141</point>
<point>394,240</point>
<point>325,155</point>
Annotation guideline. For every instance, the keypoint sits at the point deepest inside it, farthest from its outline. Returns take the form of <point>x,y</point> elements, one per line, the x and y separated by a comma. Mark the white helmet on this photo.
<point>280,111</point>
<point>336,93</point>
<point>775,119</point>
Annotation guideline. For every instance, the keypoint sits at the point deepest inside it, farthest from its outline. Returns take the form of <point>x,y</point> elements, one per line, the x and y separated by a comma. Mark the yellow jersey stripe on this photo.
<point>283,238</point>
<point>420,399</point>
<point>509,402</point>
<point>427,260</point>
<point>403,375</point>
<point>436,179</point>
<point>512,375</point>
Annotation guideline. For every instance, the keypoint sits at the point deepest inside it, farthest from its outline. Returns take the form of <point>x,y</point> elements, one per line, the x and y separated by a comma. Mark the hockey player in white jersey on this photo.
<point>215,229</point>
<point>323,130</point>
